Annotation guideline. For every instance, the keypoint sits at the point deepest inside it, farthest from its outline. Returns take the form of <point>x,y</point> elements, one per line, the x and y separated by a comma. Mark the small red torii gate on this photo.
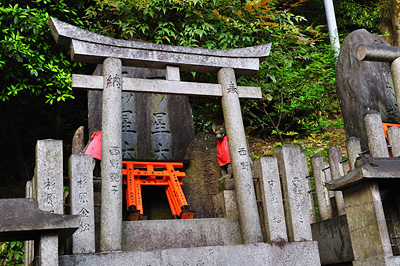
<point>136,174</point>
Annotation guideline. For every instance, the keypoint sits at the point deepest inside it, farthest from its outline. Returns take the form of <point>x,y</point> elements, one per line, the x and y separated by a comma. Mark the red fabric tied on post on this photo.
<point>223,151</point>
<point>94,147</point>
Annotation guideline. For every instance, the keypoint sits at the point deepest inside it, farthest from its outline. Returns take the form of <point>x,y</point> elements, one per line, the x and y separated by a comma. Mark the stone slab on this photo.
<point>90,82</point>
<point>292,174</point>
<point>382,261</point>
<point>259,254</point>
<point>21,219</point>
<point>266,168</point>
<point>94,48</point>
<point>49,175</point>
<point>377,169</point>
<point>82,202</point>
<point>333,238</point>
<point>163,234</point>
<point>202,175</point>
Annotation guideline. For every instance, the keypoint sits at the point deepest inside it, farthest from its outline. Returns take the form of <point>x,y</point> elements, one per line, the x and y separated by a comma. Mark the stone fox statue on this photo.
<point>223,156</point>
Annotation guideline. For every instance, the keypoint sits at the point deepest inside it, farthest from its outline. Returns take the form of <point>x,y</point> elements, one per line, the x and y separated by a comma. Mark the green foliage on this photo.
<point>352,15</point>
<point>12,253</point>
<point>297,79</point>
<point>29,59</point>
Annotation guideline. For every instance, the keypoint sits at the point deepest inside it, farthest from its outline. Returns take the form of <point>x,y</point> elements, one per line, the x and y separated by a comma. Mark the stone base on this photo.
<point>166,234</point>
<point>333,239</point>
<point>382,261</point>
<point>294,253</point>
<point>225,205</point>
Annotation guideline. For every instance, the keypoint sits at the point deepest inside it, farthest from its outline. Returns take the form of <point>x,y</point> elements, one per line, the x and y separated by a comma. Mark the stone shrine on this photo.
<point>239,237</point>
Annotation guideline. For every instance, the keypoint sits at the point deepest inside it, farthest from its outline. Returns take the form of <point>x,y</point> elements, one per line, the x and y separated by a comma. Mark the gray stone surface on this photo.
<point>225,205</point>
<point>29,245</point>
<point>377,169</point>
<point>367,224</point>
<point>266,168</point>
<point>21,219</point>
<point>164,86</point>
<point>78,143</point>
<point>82,202</point>
<point>395,67</point>
<point>307,186</point>
<point>49,175</point>
<point>333,238</point>
<point>353,147</point>
<point>140,111</point>
<point>393,134</point>
<point>324,203</point>
<point>202,175</point>
<point>288,254</point>
<point>111,163</point>
<point>363,86</point>
<point>48,250</point>
<point>335,157</point>
<point>295,198</point>
<point>375,135</point>
<point>382,261</point>
<point>164,234</point>
<point>238,150</point>
<point>90,47</point>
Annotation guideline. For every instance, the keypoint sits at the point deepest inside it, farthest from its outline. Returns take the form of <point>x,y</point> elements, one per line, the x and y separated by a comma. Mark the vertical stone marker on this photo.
<point>266,168</point>
<point>29,244</point>
<point>291,171</point>
<point>49,192</point>
<point>81,187</point>
<point>111,163</point>
<point>241,168</point>
<point>335,157</point>
<point>324,203</point>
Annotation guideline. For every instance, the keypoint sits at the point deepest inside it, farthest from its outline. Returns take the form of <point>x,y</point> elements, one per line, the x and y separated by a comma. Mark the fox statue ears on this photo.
<point>219,130</point>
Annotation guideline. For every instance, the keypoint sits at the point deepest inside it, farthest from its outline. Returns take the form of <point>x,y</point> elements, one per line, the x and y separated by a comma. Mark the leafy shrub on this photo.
<point>297,79</point>
<point>12,253</point>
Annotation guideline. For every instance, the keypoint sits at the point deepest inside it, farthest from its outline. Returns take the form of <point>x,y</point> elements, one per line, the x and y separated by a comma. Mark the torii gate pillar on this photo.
<point>111,163</point>
<point>245,193</point>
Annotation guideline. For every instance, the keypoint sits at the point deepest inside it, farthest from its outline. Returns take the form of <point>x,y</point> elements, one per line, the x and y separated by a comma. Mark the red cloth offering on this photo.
<point>94,147</point>
<point>223,151</point>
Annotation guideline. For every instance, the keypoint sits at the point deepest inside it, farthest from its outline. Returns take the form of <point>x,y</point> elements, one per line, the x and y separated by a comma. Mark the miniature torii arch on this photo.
<point>89,47</point>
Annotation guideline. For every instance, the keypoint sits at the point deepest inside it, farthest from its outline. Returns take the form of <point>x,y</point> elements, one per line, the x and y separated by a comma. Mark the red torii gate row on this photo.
<point>137,174</point>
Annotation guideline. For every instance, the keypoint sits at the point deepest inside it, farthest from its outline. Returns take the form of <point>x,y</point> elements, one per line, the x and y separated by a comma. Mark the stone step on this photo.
<point>288,253</point>
<point>165,234</point>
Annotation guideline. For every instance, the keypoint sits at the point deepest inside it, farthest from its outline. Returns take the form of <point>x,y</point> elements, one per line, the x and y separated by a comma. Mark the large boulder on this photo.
<point>363,86</point>
<point>202,175</point>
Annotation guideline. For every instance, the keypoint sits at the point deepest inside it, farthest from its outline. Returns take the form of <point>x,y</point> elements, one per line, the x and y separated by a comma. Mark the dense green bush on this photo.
<point>297,79</point>
<point>11,253</point>
<point>29,59</point>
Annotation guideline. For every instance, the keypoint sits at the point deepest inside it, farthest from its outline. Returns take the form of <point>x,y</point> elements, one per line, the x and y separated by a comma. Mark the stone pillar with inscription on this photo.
<point>296,203</point>
<point>81,188</point>
<point>49,193</point>
<point>111,163</point>
<point>266,168</point>
<point>241,168</point>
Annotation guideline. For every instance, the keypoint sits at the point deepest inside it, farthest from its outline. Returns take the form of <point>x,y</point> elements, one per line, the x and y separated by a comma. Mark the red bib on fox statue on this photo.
<point>223,151</point>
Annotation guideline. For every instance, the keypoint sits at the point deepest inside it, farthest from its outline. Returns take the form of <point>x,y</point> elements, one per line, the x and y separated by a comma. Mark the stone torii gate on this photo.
<point>88,47</point>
